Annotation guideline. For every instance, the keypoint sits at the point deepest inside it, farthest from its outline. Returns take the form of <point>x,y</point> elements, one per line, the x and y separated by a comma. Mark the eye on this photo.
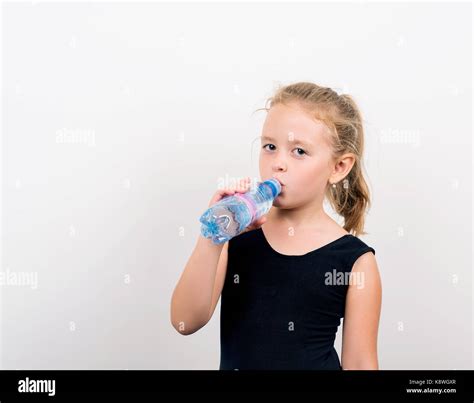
<point>266,145</point>
<point>300,151</point>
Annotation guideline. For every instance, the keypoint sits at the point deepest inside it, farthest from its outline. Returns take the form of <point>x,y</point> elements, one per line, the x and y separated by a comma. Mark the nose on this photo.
<point>279,165</point>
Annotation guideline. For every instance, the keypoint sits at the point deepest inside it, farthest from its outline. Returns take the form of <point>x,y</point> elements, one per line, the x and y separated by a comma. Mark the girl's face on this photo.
<point>295,149</point>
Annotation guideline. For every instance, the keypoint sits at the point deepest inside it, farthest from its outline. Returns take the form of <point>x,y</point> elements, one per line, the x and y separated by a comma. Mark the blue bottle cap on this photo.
<point>275,186</point>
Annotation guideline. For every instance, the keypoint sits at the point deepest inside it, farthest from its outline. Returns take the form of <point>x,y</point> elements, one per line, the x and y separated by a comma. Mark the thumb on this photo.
<point>257,224</point>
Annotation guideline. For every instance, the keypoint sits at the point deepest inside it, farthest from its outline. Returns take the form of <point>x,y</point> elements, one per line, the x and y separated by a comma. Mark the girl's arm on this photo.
<point>199,288</point>
<point>362,314</point>
<point>192,297</point>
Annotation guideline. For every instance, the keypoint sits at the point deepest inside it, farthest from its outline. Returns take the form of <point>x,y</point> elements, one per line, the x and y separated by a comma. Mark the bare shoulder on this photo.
<point>366,268</point>
<point>366,263</point>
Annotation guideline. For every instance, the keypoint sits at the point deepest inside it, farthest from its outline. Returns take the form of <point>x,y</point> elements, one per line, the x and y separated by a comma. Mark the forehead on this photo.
<point>291,120</point>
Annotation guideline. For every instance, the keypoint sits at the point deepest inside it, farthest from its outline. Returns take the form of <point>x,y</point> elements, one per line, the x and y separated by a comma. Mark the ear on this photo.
<point>342,167</point>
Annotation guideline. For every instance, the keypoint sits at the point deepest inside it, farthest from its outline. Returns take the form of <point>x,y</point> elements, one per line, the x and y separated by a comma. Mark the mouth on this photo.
<point>282,191</point>
<point>281,183</point>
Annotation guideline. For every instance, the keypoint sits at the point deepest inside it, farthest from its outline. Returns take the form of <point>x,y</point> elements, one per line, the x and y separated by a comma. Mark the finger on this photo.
<point>227,191</point>
<point>244,182</point>
<point>257,224</point>
<point>240,185</point>
<point>244,185</point>
<point>220,194</point>
<point>261,221</point>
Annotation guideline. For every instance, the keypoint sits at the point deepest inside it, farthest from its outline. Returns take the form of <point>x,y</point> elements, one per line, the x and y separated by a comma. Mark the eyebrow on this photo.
<point>295,141</point>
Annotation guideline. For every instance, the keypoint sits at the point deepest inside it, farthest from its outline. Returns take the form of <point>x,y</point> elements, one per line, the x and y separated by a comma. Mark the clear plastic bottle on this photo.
<point>232,214</point>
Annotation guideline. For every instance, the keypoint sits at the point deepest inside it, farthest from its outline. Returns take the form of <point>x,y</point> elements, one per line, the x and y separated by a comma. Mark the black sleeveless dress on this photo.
<point>280,311</point>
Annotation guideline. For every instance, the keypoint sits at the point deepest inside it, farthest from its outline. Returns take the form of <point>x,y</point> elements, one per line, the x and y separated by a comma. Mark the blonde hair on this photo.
<point>351,197</point>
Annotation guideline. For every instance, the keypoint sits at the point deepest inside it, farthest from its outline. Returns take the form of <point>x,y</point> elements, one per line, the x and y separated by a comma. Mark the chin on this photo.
<point>280,204</point>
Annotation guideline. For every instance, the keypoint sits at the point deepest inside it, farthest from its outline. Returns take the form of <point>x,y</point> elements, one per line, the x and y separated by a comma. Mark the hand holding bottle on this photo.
<point>243,186</point>
<point>236,210</point>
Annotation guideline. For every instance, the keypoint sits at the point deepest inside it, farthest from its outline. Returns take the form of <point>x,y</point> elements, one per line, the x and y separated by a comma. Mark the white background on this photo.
<point>119,121</point>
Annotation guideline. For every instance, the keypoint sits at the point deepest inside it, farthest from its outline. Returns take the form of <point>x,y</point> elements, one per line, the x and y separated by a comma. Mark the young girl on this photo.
<point>290,277</point>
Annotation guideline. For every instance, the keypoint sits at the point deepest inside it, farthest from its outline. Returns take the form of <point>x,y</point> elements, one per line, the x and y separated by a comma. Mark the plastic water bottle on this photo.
<point>232,214</point>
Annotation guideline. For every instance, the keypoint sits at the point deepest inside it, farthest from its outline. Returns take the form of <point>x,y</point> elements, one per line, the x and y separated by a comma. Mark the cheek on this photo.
<point>264,163</point>
<point>312,175</point>
<point>261,163</point>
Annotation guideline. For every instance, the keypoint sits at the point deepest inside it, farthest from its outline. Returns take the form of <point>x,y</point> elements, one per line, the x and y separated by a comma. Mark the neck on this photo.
<point>308,216</point>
